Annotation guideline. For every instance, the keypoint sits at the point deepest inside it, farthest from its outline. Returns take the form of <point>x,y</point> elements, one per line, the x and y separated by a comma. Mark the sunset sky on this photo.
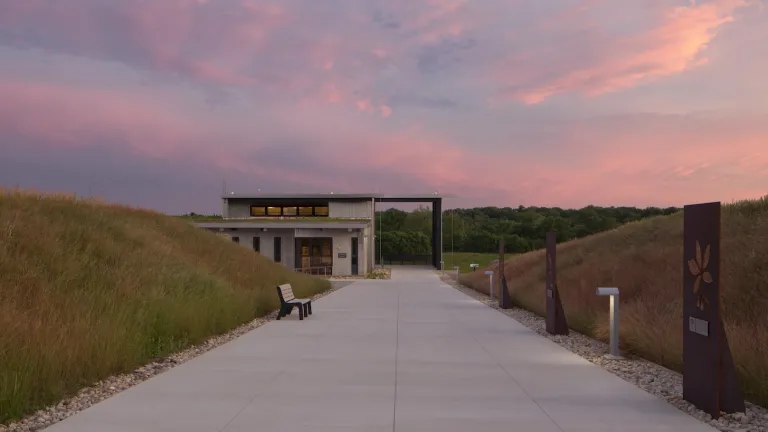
<point>500,102</point>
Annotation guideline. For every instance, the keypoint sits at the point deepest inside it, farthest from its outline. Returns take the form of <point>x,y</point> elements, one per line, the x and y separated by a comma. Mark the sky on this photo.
<point>159,103</point>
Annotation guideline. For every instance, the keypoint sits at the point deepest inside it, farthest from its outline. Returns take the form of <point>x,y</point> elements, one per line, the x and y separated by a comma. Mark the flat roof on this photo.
<point>339,196</point>
<point>284,224</point>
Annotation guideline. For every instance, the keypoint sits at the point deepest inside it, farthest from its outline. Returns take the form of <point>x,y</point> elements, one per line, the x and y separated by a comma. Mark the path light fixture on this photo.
<point>489,273</point>
<point>474,266</point>
<point>613,293</point>
<point>457,272</point>
<point>442,267</point>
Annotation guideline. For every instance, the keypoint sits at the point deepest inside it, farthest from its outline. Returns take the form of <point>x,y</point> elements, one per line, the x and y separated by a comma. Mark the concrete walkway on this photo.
<point>409,354</point>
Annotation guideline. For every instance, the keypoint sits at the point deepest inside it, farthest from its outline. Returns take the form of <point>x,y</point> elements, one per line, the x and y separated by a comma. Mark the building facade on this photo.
<point>323,234</point>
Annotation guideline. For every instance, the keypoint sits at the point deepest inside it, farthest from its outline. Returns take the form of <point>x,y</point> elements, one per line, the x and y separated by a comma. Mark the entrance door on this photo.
<point>354,256</point>
<point>315,255</point>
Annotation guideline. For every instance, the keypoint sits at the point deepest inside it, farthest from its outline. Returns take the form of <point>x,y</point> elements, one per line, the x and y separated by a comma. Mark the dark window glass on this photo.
<point>236,239</point>
<point>257,244</point>
<point>290,211</point>
<point>278,249</point>
<point>258,211</point>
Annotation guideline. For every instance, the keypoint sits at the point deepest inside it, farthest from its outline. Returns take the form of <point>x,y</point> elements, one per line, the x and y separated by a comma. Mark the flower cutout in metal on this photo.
<point>698,269</point>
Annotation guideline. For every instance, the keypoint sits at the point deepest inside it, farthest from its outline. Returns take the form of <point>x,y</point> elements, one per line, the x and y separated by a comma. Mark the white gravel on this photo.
<point>117,383</point>
<point>656,380</point>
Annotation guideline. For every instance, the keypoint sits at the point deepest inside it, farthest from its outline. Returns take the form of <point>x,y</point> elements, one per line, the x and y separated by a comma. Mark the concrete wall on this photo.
<point>365,254</point>
<point>238,209</point>
<point>268,242</point>
<point>353,209</point>
<point>341,243</point>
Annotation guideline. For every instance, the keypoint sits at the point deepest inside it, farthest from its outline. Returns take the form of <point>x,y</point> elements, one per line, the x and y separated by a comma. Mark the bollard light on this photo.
<point>442,267</point>
<point>489,273</point>
<point>613,293</point>
<point>457,272</point>
<point>474,266</point>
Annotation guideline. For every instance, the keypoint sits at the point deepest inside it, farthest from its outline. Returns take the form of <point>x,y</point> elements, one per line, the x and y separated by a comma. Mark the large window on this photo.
<point>290,211</point>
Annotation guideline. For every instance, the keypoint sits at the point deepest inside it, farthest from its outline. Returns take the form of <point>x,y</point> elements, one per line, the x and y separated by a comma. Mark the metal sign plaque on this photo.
<point>556,322</point>
<point>709,375</point>
<point>698,326</point>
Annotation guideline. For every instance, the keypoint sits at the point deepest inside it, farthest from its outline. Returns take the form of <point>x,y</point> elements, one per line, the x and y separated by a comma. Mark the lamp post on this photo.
<point>489,273</point>
<point>613,293</point>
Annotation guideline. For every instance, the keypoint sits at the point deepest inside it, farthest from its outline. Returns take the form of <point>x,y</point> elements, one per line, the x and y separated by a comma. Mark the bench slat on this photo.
<point>287,292</point>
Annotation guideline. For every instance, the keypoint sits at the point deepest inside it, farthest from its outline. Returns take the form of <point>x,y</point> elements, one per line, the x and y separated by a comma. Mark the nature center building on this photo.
<point>320,234</point>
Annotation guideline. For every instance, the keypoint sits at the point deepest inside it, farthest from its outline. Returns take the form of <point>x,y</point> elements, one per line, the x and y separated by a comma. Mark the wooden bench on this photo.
<point>288,301</point>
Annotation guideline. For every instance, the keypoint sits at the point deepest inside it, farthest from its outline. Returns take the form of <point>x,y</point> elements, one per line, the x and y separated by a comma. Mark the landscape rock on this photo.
<point>654,379</point>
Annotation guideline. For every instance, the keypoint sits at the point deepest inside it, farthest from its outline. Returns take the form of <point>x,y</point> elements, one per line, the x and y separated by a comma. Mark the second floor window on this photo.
<point>290,211</point>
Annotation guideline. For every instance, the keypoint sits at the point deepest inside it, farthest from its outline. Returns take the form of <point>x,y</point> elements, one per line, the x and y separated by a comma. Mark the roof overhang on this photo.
<point>340,197</point>
<point>283,224</point>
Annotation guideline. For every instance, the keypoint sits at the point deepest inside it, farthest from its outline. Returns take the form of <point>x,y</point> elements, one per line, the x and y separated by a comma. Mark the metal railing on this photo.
<point>408,259</point>
<point>316,271</point>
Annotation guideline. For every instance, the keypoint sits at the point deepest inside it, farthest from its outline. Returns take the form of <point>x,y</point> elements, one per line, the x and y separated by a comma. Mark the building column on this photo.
<point>437,229</point>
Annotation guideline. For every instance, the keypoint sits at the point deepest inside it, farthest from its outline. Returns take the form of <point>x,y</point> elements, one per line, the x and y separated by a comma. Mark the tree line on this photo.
<point>479,229</point>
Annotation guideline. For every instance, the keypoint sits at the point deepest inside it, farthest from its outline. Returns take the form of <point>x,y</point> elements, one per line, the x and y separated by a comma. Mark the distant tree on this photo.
<point>523,228</point>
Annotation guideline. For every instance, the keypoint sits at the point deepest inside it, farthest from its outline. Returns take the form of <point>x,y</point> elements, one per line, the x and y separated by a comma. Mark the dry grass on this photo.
<point>644,259</point>
<point>88,290</point>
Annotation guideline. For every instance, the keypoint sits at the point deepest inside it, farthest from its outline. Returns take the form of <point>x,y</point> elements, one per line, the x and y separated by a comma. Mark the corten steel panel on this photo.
<point>709,376</point>
<point>505,301</point>
<point>556,322</point>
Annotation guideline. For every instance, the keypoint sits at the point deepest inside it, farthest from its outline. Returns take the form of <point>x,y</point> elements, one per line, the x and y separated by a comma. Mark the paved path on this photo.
<point>410,354</point>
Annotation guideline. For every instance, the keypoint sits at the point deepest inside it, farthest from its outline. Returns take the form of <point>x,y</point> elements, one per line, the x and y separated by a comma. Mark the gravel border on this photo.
<point>117,383</point>
<point>654,379</point>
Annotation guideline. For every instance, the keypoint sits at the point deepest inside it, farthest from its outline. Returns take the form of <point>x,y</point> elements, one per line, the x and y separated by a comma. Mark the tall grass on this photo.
<point>644,259</point>
<point>88,290</point>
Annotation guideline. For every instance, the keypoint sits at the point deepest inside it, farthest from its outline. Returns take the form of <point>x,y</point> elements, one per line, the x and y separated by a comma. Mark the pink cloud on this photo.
<point>282,48</point>
<point>314,79</point>
<point>73,117</point>
<point>675,44</point>
<point>178,36</point>
<point>663,160</point>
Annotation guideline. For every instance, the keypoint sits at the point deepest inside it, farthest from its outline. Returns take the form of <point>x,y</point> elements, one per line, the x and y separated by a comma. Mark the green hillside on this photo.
<point>88,290</point>
<point>644,259</point>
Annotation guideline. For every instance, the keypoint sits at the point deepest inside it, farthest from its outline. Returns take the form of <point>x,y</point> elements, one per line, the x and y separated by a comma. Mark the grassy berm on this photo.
<point>645,260</point>
<point>88,290</point>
